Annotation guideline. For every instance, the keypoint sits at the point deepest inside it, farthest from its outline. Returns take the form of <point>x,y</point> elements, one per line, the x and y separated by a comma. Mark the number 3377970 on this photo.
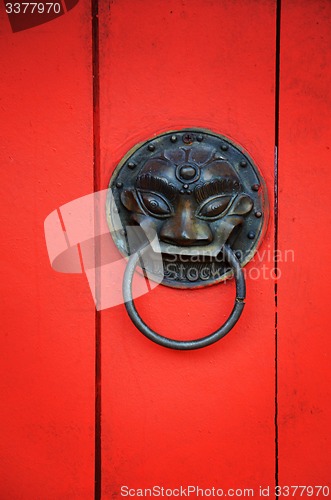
<point>33,8</point>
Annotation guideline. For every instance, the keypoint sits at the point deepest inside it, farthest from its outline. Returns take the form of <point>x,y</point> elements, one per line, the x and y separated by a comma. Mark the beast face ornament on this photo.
<point>198,192</point>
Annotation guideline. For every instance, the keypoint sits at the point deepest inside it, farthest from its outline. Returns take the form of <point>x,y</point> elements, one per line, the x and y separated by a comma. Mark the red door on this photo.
<point>93,409</point>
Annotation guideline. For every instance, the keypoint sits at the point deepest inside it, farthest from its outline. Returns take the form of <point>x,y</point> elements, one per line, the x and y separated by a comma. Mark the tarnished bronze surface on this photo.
<point>198,191</point>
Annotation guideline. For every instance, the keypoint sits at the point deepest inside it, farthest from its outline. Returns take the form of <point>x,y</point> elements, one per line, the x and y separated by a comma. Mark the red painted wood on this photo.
<point>304,221</point>
<point>169,418</point>
<point>205,417</point>
<point>47,319</point>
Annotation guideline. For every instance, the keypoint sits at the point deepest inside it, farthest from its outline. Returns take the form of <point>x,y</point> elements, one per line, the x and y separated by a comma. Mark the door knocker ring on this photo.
<point>203,197</point>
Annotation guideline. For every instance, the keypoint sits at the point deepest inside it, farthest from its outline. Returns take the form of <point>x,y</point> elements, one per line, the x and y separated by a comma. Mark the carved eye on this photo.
<point>154,204</point>
<point>215,207</point>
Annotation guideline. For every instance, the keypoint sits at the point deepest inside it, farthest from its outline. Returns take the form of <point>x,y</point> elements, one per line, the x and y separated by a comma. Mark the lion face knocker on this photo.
<point>197,191</point>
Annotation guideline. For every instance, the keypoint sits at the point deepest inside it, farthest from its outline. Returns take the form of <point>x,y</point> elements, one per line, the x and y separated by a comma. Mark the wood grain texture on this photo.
<point>304,221</point>
<point>47,319</point>
<point>205,417</point>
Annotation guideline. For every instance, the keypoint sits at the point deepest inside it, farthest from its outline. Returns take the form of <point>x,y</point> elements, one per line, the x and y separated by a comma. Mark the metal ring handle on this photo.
<point>185,344</point>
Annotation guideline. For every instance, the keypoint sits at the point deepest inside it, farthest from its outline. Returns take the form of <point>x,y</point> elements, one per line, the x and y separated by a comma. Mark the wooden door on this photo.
<point>202,417</point>
<point>47,331</point>
<point>93,409</point>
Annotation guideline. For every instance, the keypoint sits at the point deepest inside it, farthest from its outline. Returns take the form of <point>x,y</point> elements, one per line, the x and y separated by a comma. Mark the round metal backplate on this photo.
<point>178,184</point>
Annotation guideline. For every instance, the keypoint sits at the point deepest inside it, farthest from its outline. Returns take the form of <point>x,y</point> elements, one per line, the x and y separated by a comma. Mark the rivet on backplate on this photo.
<point>188,138</point>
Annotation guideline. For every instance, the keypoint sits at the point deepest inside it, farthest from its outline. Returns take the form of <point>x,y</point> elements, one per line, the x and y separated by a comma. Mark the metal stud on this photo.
<point>258,214</point>
<point>151,147</point>
<point>119,185</point>
<point>131,165</point>
<point>187,172</point>
<point>243,163</point>
<point>200,138</point>
<point>251,235</point>
<point>173,138</point>
<point>224,147</point>
<point>256,187</point>
<point>188,138</point>
<point>238,254</point>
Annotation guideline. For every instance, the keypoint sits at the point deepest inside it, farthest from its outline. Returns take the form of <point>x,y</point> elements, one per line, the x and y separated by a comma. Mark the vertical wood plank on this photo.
<point>47,319</point>
<point>304,220</point>
<point>205,417</point>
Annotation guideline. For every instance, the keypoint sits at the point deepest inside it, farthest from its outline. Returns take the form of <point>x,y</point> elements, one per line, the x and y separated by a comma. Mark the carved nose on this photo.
<point>183,230</point>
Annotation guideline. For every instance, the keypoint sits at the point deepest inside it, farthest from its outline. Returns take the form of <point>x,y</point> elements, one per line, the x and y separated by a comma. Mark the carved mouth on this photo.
<point>192,271</point>
<point>212,249</point>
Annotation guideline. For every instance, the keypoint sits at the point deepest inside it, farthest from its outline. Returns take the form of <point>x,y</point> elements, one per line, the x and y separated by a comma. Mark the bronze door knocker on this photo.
<point>204,198</point>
